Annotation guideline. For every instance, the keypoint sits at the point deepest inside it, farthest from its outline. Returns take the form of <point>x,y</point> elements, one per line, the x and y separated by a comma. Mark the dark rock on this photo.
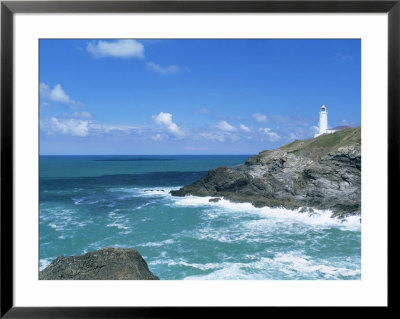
<point>103,264</point>
<point>320,173</point>
<point>306,210</point>
<point>214,200</point>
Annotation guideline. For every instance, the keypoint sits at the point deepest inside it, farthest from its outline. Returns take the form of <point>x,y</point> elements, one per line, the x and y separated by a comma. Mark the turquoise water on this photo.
<point>90,202</point>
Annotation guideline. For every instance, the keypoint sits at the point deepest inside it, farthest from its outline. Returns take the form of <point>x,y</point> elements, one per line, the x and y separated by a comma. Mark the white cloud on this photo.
<point>272,136</point>
<point>260,118</point>
<point>225,126</point>
<point>69,126</point>
<point>314,129</point>
<point>301,133</point>
<point>83,115</point>
<point>157,137</point>
<point>80,124</point>
<point>172,69</point>
<point>220,136</point>
<point>107,128</point>
<point>118,49</point>
<point>56,94</point>
<point>244,128</point>
<point>44,90</point>
<point>165,120</point>
<point>217,136</point>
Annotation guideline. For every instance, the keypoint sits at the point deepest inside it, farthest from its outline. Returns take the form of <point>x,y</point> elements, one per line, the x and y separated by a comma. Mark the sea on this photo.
<point>91,202</point>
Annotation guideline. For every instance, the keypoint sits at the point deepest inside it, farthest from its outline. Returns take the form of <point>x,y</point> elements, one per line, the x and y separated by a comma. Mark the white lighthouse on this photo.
<point>323,122</point>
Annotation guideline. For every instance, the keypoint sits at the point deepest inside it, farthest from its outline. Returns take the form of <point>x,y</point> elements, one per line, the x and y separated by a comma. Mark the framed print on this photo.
<point>164,155</point>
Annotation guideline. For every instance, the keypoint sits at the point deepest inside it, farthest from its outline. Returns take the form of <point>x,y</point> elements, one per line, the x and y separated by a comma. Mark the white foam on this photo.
<point>81,224</point>
<point>265,230</point>
<point>156,191</point>
<point>65,221</point>
<point>232,271</point>
<point>85,201</point>
<point>284,266</point>
<point>43,263</point>
<point>144,205</point>
<point>59,227</point>
<point>223,206</point>
<point>118,225</point>
<point>163,254</point>
<point>182,262</point>
<point>113,213</point>
<point>158,244</point>
<point>300,263</point>
<point>120,222</point>
<point>223,235</point>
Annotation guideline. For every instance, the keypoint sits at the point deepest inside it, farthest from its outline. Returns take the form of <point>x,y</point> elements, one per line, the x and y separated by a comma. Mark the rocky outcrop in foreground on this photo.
<point>103,264</point>
<point>321,173</point>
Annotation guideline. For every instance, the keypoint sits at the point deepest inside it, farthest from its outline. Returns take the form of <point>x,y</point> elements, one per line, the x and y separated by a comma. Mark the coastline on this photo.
<point>320,173</point>
<point>190,237</point>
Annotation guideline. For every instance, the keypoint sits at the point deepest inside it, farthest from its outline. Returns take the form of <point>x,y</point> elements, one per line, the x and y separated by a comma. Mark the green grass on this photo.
<point>329,140</point>
<point>317,147</point>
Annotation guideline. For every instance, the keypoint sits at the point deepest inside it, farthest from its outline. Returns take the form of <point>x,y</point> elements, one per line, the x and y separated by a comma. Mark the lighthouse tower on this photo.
<point>323,120</point>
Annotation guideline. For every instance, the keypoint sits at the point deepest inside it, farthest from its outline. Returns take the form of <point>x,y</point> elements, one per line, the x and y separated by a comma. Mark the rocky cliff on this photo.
<point>106,263</point>
<point>321,173</point>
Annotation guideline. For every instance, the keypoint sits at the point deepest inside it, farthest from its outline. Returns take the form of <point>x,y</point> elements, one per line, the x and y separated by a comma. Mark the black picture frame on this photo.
<point>9,8</point>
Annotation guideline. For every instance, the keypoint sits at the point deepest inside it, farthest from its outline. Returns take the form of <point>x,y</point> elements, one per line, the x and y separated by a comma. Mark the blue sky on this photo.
<point>192,96</point>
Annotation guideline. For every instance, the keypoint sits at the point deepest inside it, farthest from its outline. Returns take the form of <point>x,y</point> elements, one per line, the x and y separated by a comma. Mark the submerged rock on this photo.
<point>103,264</point>
<point>320,173</point>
